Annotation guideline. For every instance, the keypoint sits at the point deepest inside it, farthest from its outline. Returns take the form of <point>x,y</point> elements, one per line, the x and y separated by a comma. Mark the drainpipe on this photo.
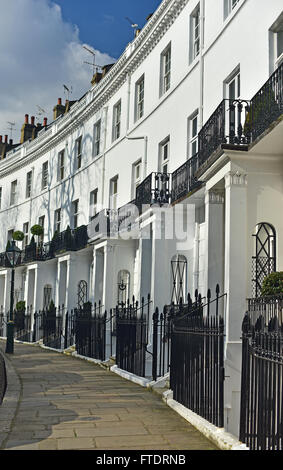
<point>129,102</point>
<point>145,138</point>
<point>201,62</point>
<point>104,149</point>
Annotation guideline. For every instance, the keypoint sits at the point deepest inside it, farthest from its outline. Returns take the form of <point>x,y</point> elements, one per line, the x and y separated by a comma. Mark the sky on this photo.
<point>41,49</point>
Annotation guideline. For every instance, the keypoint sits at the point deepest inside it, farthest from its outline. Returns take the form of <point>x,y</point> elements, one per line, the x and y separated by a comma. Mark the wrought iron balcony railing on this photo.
<point>184,178</point>
<point>69,240</point>
<point>154,189</point>
<point>267,105</point>
<point>227,126</point>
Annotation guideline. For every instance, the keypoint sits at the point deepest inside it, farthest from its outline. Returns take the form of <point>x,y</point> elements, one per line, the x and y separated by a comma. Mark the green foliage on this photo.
<point>272,284</point>
<point>21,306</point>
<point>262,106</point>
<point>18,236</point>
<point>36,230</point>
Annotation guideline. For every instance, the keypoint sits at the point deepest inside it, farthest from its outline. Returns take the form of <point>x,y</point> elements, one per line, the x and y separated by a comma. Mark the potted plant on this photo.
<point>37,230</point>
<point>18,236</point>
<point>272,284</point>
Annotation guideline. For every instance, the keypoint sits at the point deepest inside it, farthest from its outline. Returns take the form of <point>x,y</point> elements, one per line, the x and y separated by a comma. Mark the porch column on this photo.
<point>71,285</point>
<point>214,210</point>
<point>235,284</point>
<point>109,299</point>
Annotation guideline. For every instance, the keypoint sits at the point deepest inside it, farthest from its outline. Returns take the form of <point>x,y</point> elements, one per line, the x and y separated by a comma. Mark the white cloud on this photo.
<point>39,52</point>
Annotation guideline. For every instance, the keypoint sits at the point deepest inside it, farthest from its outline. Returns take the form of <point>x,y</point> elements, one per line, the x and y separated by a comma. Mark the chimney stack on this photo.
<point>59,109</point>
<point>6,139</point>
<point>27,131</point>
<point>0,139</point>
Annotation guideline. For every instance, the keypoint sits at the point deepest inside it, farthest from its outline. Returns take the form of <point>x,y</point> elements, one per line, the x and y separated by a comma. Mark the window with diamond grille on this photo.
<point>82,293</point>
<point>264,259</point>
<point>179,278</point>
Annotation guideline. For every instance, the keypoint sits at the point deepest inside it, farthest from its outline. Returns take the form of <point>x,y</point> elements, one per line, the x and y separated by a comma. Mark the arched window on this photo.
<point>82,293</point>
<point>264,258</point>
<point>179,278</point>
<point>123,286</point>
<point>47,296</point>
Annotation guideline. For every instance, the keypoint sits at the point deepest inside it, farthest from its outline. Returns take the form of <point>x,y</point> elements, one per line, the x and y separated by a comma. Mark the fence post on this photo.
<point>154,344</point>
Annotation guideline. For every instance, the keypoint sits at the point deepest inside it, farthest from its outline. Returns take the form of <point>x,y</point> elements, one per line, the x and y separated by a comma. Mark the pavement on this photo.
<point>59,402</point>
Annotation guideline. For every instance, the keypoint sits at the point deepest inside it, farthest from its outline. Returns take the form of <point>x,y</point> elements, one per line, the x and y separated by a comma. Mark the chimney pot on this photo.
<point>6,139</point>
<point>60,101</point>
<point>32,120</point>
<point>0,138</point>
<point>26,118</point>
<point>11,142</point>
<point>45,121</point>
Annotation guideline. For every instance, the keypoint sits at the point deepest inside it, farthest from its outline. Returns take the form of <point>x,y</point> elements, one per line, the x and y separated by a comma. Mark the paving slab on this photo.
<point>63,403</point>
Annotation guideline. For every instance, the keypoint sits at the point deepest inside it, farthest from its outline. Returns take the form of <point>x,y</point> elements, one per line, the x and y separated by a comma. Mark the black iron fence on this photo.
<point>52,327</point>
<point>131,325</point>
<point>197,357</point>
<point>90,332</point>
<point>261,420</point>
<point>3,378</point>
<point>22,325</point>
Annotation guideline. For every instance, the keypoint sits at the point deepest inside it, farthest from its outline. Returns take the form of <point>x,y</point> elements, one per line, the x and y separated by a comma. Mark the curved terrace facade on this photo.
<point>161,176</point>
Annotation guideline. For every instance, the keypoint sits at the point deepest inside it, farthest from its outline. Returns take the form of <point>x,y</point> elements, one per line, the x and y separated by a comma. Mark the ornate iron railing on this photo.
<point>227,125</point>
<point>197,357</point>
<point>154,189</point>
<point>267,105</point>
<point>184,178</point>
<point>261,414</point>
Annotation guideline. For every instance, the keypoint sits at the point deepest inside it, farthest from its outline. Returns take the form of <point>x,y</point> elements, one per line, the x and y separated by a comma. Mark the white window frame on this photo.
<point>193,134</point>
<point>57,220</point>
<point>139,98</point>
<point>13,193</point>
<point>41,221</point>
<point>28,184</point>
<point>117,120</point>
<point>113,193</point>
<point>235,77</point>
<point>44,176</point>
<point>26,234</point>
<point>229,6</point>
<point>93,203</point>
<point>165,70</point>
<point>164,155</point>
<point>61,165</point>
<point>196,32</point>
<point>75,213</point>
<point>79,142</point>
<point>96,138</point>
<point>136,180</point>
<point>0,197</point>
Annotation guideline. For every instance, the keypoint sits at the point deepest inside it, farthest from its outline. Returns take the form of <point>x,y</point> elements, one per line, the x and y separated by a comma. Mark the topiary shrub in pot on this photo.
<point>272,284</point>
<point>18,236</point>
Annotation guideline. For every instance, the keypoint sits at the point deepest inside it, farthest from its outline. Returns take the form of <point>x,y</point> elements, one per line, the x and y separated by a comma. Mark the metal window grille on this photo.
<point>264,259</point>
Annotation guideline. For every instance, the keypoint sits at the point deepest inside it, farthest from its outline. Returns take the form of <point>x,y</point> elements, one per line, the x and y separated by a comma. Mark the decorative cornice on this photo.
<point>135,53</point>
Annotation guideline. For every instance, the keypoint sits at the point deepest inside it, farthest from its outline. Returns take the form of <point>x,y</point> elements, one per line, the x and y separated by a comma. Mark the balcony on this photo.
<point>234,125</point>
<point>69,240</point>
<point>155,189</point>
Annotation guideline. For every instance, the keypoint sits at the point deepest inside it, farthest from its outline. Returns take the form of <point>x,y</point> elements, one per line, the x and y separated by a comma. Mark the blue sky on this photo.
<point>41,49</point>
<point>102,24</point>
